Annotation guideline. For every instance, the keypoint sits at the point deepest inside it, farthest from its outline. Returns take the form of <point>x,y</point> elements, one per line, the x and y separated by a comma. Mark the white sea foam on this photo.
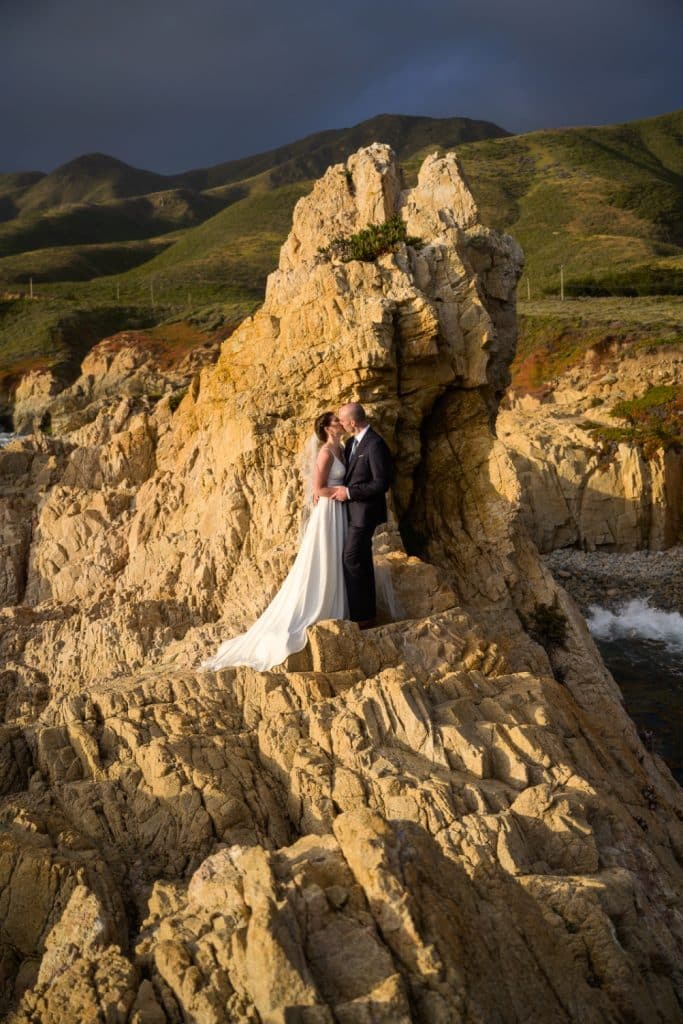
<point>637,620</point>
<point>5,438</point>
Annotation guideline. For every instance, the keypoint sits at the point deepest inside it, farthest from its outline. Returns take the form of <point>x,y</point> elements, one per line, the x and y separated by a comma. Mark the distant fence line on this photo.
<point>152,289</point>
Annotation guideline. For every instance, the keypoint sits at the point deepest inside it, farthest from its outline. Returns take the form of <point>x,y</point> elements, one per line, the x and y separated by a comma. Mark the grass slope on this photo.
<point>79,262</point>
<point>239,245</point>
<point>605,203</point>
<point>117,220</point>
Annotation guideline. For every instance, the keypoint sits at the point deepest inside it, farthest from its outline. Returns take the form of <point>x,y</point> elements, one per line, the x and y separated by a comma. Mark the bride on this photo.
<point>314,588</point>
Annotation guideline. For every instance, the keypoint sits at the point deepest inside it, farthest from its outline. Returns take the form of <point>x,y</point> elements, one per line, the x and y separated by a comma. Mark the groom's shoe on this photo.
<point>367,624</point>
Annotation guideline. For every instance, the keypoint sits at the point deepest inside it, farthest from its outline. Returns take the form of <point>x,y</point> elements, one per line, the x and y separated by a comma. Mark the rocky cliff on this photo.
<point>142,365</point>
<point>581,484</point>
<point>448,818</point>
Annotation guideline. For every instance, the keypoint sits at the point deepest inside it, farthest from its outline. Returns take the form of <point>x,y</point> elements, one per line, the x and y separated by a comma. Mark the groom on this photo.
<point>368,475</point>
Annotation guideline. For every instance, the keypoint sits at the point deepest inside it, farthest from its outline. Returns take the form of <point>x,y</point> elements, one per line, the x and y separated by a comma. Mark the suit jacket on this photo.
<point>368,477</point>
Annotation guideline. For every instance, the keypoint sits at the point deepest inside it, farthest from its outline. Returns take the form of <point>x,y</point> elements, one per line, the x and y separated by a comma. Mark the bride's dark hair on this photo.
<point>322,421</point>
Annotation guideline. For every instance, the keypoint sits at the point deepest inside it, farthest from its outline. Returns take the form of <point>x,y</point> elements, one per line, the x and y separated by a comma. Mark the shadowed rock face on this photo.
<point>437,820</point>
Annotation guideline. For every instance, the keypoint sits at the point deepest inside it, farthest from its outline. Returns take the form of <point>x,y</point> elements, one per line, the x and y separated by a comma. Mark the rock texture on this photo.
<point>577,491</point>
<point>438,820</point>
<point>33,396</point>
<point>131,364</point>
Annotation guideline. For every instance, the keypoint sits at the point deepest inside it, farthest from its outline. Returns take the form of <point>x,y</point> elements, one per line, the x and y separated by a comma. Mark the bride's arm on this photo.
<point>320,474</point>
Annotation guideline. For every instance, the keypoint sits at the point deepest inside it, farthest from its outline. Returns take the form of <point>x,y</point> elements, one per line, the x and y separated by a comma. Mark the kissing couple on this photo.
<point>332,576</point>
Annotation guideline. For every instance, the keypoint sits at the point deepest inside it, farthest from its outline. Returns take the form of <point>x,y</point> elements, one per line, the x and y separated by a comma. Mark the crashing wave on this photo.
<point>636,619</point>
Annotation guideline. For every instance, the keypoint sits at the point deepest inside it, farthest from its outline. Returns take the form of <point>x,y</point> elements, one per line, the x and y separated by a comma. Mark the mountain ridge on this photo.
<point>225,172</point>
<point>324,133</point>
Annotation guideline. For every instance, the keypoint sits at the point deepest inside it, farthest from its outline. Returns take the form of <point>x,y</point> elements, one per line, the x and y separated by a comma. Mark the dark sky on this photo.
<point>169,85</point>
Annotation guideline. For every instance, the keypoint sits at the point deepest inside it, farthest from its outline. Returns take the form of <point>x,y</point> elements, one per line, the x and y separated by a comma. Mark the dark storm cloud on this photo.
<point>171,85</point>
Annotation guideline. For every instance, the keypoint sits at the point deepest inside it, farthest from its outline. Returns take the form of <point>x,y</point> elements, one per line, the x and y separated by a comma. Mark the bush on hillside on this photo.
<point>629,283</point>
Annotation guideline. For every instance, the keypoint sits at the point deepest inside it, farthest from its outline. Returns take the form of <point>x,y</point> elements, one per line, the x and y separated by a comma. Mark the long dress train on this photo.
<point>313,590</point>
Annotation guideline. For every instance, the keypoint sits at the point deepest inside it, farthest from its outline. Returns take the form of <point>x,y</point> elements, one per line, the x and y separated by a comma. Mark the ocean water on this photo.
<point>643,648</point>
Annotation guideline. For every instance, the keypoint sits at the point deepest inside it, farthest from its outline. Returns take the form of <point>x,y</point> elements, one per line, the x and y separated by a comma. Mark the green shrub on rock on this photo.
<point>176,398</point>
<point>371,242</point>
<point>547,625</point>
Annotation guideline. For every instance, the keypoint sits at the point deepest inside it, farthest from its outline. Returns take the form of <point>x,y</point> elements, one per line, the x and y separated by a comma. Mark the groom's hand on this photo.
<point>339,494</point>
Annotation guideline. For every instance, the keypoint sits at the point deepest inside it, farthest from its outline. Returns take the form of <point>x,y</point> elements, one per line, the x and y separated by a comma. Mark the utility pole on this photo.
<point>562,282</point>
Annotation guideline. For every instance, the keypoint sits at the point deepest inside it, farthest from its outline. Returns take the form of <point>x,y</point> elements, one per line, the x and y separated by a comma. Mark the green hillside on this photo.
<point>606,204</point>
<point>256,226</point>
<point>12,187</point>
<point>116,220</point>
<point>96,198</point>
<point>18,181</point>
<point>80,262</point>
<point>603,203</point>
<point>93,178</point>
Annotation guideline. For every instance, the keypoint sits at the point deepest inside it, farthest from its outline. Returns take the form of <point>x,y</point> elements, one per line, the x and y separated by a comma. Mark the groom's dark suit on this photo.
<point>368,476</point>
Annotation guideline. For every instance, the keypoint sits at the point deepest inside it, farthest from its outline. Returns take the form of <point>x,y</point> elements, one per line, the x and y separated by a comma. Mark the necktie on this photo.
<point>354,446</point>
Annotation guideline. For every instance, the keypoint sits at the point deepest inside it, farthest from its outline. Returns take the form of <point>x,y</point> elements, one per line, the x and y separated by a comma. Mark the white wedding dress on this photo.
<point>313,590</point>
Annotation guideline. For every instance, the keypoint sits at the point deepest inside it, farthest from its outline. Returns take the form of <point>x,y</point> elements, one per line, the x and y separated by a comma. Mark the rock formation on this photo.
<point>580,491</point>
<point>439,820</point>
<point>32,397</point>
<point>134,364</point>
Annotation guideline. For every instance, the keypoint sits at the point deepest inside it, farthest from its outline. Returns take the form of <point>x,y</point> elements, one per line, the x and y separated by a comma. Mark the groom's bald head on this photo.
<point>352,417</point>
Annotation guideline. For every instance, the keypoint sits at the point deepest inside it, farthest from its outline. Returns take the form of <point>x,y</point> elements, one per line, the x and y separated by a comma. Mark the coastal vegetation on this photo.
<point>547,625</point>
<point>654,421</point>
